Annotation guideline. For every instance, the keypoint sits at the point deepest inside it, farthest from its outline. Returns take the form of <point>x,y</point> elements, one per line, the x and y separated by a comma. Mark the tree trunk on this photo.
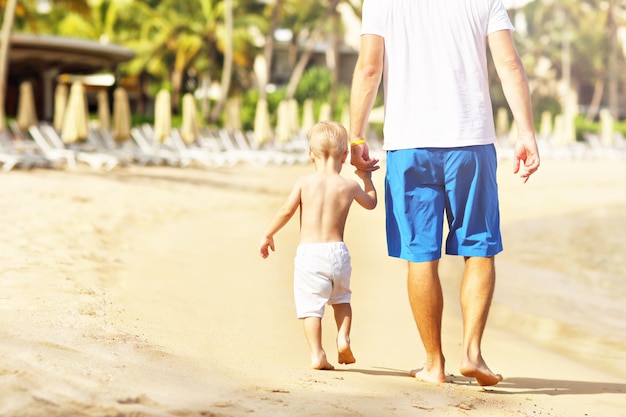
<point>177,82</point>
<point>5,45</point>
<point>613,71</point>
<point>298,70</point>
<point>332,55</point>
<point>596,99</point>
<point>227,69</point>
<point>268,50</point>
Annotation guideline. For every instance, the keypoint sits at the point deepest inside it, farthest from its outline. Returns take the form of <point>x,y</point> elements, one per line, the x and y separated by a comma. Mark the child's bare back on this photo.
<point>325,202</point>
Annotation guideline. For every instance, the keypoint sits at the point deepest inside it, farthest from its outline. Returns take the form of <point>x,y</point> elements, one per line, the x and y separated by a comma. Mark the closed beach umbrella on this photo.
<point>512,138</point>
<point>283,128</point>
<point>104,113</point>
<point>189,127</point>
<point>377,115</point>
<point>502,123</point>
<point>260,70</point>
<point>607,128</point>
<point>60,102</point>
<point>545,125</point>
<point>26,113</point>
<point>232,115</point>
<point>294,117</point>
<point>308,116</point>
<point>325,113</point>
<point>121,115</point>
<point>262,128</point>
<point>345,117</point>
<point>75,119</point>
<point>162,116</point>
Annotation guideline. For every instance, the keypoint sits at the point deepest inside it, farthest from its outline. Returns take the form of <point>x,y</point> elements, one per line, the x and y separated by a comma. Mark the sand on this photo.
<point>139,292</point>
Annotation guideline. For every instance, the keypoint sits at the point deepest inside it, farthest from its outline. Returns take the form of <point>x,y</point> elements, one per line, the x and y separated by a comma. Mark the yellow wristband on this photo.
<point>358,142</point>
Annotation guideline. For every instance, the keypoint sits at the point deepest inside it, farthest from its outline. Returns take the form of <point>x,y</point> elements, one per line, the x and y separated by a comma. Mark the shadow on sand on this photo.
<point>520,385</point>
<point>515,385</point>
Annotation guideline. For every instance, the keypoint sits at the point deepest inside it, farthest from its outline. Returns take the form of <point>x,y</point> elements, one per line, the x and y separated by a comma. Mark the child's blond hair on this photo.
<point>328,139</point>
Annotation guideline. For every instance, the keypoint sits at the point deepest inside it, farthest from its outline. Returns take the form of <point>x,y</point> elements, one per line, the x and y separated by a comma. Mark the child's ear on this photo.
<point>311,156</point>
<point>345,156</point>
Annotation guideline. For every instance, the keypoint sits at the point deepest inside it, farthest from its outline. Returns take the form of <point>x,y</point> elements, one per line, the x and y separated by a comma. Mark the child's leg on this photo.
<point>313,333</point>
<point>343,318</point>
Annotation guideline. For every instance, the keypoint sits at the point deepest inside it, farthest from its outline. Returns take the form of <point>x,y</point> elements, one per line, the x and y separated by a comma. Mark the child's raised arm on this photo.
<point>366,198</point>
<point>282,216</point>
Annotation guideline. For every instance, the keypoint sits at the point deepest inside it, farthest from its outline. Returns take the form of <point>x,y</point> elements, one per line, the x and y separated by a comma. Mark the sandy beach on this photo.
<point>139,292</point>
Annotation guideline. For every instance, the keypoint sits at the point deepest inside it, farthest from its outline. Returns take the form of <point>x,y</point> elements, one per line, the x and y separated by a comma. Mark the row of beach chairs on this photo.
<point>41,146</point>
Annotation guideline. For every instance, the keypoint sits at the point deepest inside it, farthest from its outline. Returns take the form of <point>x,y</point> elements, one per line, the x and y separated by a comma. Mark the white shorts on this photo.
<point>321,276</point>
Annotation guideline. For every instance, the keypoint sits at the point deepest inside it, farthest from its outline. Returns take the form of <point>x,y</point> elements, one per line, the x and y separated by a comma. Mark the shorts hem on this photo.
<point>420,258</point>
<point>307,315</point>
<point>479,254</point>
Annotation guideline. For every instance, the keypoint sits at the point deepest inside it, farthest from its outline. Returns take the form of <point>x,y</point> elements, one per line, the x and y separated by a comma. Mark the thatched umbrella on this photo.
<point>345,117</point>
<point>162,116</point>
<point>121,115</point>
<point>607,128</point>
<point>262,128</point>
<point>283,128</point>
<point>60,102</point>
<point>325,114</point>
<point>294,118</point>
<point>104,113</point>
<point>233,114</point>
<point>545,125</point>
<point>308,117</point>
<point>189,127</point>
<point>502,123</point>
<point>26,113</point>
<point>75,119</point>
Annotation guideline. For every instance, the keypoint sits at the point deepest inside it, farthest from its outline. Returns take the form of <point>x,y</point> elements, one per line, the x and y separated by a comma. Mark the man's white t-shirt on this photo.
<point>435,69</point>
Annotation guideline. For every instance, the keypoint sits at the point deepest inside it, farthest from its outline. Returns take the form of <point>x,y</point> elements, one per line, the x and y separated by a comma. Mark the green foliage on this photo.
<point>248,108</point>
<point>315,84</point>
<point>583,126</point>
<point>621,127</point>
<point>545,103</point>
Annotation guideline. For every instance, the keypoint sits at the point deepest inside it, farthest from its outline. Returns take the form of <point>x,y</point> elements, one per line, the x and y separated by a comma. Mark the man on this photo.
<point>439,136</point>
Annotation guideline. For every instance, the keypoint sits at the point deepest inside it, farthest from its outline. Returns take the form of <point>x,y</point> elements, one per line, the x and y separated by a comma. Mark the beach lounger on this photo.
<point>149,146</point>
<point>11,157</point>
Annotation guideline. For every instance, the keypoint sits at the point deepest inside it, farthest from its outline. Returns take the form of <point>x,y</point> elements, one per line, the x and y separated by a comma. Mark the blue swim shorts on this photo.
<point>423,185</point>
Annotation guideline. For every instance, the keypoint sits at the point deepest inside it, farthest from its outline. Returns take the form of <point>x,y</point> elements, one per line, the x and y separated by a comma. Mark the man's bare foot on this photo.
<point>480,372</point>
<point>320,362</point>
<point>345,355</point>
<point>422,374</point>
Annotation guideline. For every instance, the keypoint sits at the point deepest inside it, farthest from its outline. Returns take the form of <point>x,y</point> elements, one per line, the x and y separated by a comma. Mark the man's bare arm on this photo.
<point>365,83</point>
<point>515,87</point>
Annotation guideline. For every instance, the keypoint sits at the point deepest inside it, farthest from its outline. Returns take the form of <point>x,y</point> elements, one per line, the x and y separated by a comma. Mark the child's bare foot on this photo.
<point>345,355</point>
<point>481,372</point>
<point>423,374</point>
<point>320,362</point>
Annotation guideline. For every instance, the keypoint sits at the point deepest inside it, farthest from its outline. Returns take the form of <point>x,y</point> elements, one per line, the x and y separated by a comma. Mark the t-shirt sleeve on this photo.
<point>373,17</point>
<point>498,18</point>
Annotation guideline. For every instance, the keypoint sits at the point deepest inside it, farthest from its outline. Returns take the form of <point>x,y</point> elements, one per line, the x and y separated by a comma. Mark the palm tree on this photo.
<point>206,37</point>
<point>10,9</point>
<point>315,23</point>
<point>571,35</point>
<point>227,68</point>
<point>5,36</point>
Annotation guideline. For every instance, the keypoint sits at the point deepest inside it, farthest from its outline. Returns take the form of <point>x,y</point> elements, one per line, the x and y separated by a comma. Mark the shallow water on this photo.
<point>564,285</point>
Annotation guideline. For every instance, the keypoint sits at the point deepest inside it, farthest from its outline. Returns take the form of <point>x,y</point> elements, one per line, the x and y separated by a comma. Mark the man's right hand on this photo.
<point>360,158</point>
